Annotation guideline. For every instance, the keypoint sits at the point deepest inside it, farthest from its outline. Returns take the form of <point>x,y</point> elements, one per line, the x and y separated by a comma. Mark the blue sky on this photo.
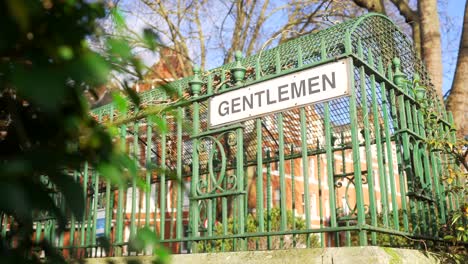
<point>451,15</point>
<point>454,10</point>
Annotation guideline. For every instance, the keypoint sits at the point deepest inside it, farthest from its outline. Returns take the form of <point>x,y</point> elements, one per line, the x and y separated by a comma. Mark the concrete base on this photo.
<point>344,255</point>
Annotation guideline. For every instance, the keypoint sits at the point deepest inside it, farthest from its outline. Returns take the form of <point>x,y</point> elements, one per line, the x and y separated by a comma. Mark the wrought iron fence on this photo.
<point>350,171</point>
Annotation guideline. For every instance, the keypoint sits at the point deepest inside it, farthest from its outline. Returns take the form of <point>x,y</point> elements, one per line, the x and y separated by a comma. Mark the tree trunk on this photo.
<point>371,5</point>
<point>430,38</point>
<point>457,101</point>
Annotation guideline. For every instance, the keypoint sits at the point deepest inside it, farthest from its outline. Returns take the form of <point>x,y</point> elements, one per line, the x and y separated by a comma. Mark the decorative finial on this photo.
<point>419,91</point>
<point>238,72</point>
<point>398,76</point>
<point>196,82</point>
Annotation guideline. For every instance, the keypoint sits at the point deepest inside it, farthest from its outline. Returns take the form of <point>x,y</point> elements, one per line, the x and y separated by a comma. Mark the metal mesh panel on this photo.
<point>374,33</point>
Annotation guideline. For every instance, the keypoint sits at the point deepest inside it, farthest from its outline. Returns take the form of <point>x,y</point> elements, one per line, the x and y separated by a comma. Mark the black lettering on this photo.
<point>259,97</point>
<point>282,91</point>
<point>225,110</point>
<point>331,83</point>
<point>312,84</point>
<point>268,98</point>
<point>245,100</point>
<point>234,103</point>
<point>297,92</point>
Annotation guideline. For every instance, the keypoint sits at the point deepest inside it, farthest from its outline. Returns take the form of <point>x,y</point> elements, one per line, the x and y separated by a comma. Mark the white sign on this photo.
<point>100,222</point>
<point>301,88</point>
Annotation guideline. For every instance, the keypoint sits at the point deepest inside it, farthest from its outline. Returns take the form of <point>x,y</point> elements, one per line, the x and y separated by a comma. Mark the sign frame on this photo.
<point>346,93</point>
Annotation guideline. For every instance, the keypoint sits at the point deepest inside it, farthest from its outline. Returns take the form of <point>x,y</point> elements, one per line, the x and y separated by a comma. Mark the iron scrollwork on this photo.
<point>216,180</point>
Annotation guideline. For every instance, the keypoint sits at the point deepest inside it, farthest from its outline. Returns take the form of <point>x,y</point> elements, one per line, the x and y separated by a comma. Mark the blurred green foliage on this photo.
<point>46,65</point>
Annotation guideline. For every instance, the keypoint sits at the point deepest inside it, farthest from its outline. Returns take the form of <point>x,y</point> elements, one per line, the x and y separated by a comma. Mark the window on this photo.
<point>313,204</point>
<point>186,193</point>
<point>153,197</point>
<point>277,196</point>
<point>311,176</point>
<point>129,201</point>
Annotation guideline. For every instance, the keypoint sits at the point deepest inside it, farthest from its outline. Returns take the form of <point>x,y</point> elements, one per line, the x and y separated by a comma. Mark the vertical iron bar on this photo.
<point>282,179</point>
<point>179,183</point>
<point>330,176</point>
<point>357,164</point>
<point>95,206</point>
<point>260,206</point>
<point>388,147</point>
<point>293,194</point>
<point>320,194</point>
<point>305,170</point>
<point>85,194</point>
<point>367,146</point>
<point>406,155</point>
<point>162,182</point>
<point>149,146</point>
<point>133,151</point>
<point>194,214</point>
<point>121,194</point>
<point>268,179</point>
<point>240,185</point>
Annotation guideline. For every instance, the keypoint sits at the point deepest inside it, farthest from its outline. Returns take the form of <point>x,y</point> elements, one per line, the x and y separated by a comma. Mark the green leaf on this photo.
<point>120,48</point>
<point>147,235</point>
<point>151,38</point>
<point>19,10</point>
<point>65,52</point>
<point>40,85</point>
<point>72,192</point>
<point>163,255</point>
<point>14,200</point>
<point>129,164</point>
<point>118,18</point>
<point>449,237</point>
<point>160,123</point>
<point>120,103</point>
<point>95,69</point>
<point>112,173</point>
<point>132,94</point>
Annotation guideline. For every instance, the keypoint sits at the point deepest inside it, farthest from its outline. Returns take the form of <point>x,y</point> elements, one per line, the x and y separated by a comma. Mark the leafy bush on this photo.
<point>272,222</point>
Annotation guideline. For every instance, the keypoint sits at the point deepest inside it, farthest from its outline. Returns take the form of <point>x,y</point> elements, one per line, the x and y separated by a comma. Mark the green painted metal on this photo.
<point>149,145</point>
<point>179,175</point>
<point>282,179</point>
<point>385,131</point>
<point>120,196</point>
<point>85,193</point>
<point>268,198</point>
<point>72,220</point>
<point>259,194</point>
<point>372,141</point>
<point>357,166</point>
<point>162,185</point>
<point>305,173</point>
<point>194,213</point>
<point>368,151</point>
<point>95,207</point>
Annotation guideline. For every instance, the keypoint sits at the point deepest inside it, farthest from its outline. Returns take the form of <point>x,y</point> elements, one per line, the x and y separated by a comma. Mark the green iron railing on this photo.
<point>350,171</point>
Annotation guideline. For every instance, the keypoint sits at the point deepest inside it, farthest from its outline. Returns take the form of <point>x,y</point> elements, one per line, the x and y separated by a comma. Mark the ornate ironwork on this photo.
<point>216,180</point>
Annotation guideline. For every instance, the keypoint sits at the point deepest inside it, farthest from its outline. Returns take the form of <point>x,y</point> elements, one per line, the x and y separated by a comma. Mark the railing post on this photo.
<point>367,144</point>
<point>361,217</point>
<point>195,86</point>
<point>399,80</point>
